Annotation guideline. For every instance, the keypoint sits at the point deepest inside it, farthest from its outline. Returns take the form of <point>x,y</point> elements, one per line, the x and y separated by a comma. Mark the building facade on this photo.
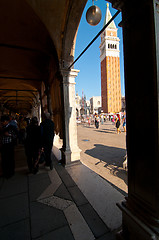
<point>110,67</point>
<point>95,104</point>
<point>82,106</point>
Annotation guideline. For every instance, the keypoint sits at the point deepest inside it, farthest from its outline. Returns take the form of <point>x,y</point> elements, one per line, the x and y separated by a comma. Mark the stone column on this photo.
<point>140,211</point>
<point>71,151</point>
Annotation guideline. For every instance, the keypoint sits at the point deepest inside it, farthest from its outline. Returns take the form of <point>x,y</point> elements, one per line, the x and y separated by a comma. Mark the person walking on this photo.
<point>117,123</point>
<point>47,137</point>
<point>124,122</point>
<point>7,147</point>
<point>97,121</point>
<point>89,122</point>
<point>14,124</point>
<point>102,119</point>
<point>32,145</point>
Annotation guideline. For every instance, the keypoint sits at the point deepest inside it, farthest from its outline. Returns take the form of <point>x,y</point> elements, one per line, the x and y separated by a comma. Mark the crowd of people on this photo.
<point>117,118</point>
<point>37,140</point>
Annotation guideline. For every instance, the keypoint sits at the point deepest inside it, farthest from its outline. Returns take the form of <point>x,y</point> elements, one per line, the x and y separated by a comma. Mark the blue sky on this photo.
<point>89,77</point>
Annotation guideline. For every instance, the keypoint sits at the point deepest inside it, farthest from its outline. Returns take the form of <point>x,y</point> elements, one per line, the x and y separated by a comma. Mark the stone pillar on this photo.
<point>71,151</point>
<point>39,112</point>
<point>140,210</point>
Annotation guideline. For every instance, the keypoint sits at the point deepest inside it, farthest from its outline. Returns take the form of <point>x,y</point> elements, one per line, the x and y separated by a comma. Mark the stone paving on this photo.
<point>48,206</point>
<point>103,151</point>
<point>72,203</point>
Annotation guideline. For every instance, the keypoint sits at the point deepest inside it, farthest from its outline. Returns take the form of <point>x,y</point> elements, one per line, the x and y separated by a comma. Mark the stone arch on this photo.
<point>28,57</point>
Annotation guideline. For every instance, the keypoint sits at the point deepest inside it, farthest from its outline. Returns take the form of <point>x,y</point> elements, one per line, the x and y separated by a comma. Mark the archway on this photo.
<point>28,57</point>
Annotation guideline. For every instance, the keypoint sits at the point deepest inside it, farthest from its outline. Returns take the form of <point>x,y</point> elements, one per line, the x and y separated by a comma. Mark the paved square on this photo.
<point>103,151</point>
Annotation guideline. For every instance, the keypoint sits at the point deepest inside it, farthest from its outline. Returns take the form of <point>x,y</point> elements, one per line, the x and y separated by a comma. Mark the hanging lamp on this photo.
<point>93,15</point>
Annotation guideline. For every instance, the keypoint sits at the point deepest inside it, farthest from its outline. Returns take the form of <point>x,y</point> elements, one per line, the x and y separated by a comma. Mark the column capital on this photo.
<point>69,75</point>
<point>66,72</point>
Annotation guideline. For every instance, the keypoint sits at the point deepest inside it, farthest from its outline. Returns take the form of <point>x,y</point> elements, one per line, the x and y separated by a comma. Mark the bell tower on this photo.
<point>110,67</point>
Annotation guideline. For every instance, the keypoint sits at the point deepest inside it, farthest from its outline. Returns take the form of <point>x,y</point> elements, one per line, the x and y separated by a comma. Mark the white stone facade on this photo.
<point>95,103</point>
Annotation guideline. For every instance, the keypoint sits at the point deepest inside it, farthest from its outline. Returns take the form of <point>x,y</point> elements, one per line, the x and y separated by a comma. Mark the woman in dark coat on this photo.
<point>117,123</point>
<point>32,144</point>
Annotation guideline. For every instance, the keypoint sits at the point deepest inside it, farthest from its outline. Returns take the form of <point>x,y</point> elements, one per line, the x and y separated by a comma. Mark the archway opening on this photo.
<point>103,150</point>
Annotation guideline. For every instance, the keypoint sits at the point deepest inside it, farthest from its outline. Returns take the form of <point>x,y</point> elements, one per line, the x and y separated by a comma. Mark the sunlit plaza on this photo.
<point>103,151</point>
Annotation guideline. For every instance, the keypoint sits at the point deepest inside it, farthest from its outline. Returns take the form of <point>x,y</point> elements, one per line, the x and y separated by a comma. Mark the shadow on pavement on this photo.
<point>106,131</point>
<point>113,158</point>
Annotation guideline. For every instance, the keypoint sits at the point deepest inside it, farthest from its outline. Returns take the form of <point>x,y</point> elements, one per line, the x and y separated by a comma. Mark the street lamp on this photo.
<point>93,14</point>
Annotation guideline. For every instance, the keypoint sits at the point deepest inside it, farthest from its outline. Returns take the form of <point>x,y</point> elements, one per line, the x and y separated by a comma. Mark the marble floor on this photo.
<point>101,195</point>
<point>77,202</point>
<point>71,203</point>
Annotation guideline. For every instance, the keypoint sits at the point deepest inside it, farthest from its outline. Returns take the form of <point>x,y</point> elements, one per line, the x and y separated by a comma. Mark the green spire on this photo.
<point>108,16</point>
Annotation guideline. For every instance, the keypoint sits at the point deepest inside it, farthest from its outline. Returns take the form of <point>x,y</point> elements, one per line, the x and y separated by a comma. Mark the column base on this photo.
<point>70,156</point>
<point>75,154</point>
<point>134,228</point>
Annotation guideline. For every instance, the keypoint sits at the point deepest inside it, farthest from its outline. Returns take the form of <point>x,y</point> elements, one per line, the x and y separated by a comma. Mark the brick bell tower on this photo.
<point>110,67</point>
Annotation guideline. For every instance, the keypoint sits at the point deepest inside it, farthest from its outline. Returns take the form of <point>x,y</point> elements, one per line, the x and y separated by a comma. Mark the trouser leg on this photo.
<point>8,162</point>
<point>47,151</point>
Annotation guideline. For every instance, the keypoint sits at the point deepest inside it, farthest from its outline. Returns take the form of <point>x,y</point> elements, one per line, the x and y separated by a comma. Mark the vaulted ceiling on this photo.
<point>32,33</point>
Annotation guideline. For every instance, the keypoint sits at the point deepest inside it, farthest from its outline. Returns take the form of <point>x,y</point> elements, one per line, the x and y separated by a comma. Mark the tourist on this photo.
<point>33,144</point>
<point>117,123</point>
<point>47,137</point>
<point>124,122</point>
<point>102,118</point>
<point>96,121</point>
